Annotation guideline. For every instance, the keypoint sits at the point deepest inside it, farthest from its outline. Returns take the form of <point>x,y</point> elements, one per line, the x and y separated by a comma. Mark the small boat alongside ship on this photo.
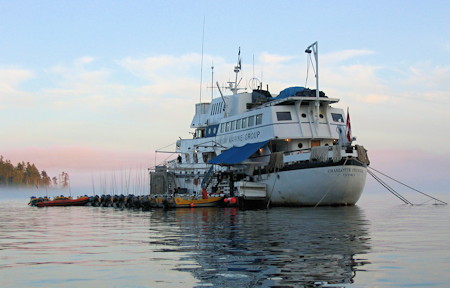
<point>289,149</point>
<point>58,201</point>
<point>192,202</point>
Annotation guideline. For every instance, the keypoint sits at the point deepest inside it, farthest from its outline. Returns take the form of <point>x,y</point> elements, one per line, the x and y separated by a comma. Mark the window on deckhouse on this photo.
<point>244,122</point>
<point>337,117</point>
<point>251,121</point>
<point>239,124</point>
<point>259,119</point>
<point>284,116</point>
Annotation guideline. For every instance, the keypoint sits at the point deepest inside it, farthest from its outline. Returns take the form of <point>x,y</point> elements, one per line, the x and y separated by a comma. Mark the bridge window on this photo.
<point>233,125</point>
<point>244,122</point>
<point>251,121</point>
<point>259,119</point>
<point>239,124</point>
<point>284,116</point>
<point>337,117</point>
<point>195,157</point>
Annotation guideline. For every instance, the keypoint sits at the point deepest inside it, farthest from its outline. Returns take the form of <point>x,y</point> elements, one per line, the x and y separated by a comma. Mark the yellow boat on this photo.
<point>192,202</point>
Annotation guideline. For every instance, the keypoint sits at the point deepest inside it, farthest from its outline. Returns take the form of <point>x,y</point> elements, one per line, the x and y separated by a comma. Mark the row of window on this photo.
<point>257,120</point>
<point>241,123</point>
<point>205,155</point>
<point>217,108</point>
<point>286,116</point>
<point>283,116</point>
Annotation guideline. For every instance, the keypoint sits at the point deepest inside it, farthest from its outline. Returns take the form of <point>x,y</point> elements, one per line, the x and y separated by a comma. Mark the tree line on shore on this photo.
<point>27,174</point>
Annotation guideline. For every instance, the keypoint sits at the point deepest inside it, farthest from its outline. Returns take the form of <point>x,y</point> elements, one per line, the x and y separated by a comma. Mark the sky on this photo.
<point>92,86</point>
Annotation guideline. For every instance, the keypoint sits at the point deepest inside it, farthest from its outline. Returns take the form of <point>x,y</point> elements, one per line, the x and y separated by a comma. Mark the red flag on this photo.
<point>349,127</point>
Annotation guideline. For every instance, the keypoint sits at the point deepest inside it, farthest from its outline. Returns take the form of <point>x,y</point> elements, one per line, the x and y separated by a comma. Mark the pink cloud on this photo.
<point>83,163</point>
<point>78,157</point>
<point>426,171</point>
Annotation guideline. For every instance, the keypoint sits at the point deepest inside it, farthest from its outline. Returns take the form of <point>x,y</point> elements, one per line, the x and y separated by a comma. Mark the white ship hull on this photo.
<point>333,185</point>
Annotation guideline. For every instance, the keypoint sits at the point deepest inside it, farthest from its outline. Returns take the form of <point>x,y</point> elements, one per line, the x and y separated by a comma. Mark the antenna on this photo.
<point>253,65</point>
<point>201,64</point>
<point>212,81</point>
<point>254,82</point>
<point>237,68</point>
<point>223,99</point>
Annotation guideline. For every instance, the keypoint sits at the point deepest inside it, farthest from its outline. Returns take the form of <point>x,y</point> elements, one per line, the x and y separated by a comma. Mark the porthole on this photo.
<point>303,115</point>
<point>300,145</point>
<point>321,116</point>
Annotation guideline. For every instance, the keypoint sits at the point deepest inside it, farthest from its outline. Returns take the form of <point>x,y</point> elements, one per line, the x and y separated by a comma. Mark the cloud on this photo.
<point>86,165</point>
<point>11,92</point>
<point>272,59</point>
<point>334,58</point>
<point>156,67</point>
<point>427,82</point>
<point>78,157</point>
<point>412,167</point>
<point>375,98</point>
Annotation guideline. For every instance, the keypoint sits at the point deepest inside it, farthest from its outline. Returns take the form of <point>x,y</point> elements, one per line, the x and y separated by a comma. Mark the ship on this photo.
<point>294,148</point>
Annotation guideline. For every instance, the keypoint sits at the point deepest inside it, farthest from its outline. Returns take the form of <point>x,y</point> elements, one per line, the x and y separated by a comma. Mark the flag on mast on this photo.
<point>349,127</point>
<point>239,58</point>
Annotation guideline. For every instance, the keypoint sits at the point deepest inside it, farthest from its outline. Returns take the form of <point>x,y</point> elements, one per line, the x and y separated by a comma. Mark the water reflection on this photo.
<point>309,247</point>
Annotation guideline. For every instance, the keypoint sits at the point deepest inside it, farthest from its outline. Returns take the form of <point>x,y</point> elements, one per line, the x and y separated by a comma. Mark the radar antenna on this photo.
<point>234,85</point>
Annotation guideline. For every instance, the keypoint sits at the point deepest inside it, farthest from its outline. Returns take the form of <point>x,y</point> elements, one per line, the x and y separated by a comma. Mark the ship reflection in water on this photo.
<point>309,247</point>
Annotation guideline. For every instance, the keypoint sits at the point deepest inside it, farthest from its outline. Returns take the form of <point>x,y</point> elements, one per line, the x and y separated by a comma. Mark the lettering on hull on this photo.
<point>253,135</point>
<point>346,171</point>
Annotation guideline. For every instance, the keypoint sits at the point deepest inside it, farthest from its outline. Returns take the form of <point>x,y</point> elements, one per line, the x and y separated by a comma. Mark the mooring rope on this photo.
<point>273,186</point>
<point>390,189</point>
<point>425,194</point>
<point>331,186</point>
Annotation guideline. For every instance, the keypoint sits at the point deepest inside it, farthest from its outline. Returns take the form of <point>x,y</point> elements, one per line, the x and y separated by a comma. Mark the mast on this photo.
<point>212,81</point>
<point>234,86</point>
<point>201,64</point>
<point>315,50</point>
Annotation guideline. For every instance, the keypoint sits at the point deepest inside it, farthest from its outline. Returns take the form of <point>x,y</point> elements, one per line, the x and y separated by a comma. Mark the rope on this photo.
<point>329,189</point>
<point>273,186</point>
<point>308,57</point>
<point>409,186</point>
<point>390,189</point>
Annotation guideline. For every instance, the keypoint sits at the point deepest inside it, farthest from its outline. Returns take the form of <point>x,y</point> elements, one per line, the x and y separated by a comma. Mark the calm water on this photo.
<point>379,243</point>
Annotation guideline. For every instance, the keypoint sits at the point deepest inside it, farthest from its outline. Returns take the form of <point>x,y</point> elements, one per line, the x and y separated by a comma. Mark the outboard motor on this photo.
<point>136,202</point>
<point>129,201</point>
<point>145,202</point>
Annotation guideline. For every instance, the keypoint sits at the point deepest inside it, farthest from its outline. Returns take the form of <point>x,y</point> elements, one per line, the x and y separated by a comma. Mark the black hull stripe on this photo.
<point>309,165</point>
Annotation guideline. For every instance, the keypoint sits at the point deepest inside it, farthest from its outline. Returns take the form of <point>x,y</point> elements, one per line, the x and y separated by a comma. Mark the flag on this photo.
<point>239,58</point>
<point>349,127</point>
